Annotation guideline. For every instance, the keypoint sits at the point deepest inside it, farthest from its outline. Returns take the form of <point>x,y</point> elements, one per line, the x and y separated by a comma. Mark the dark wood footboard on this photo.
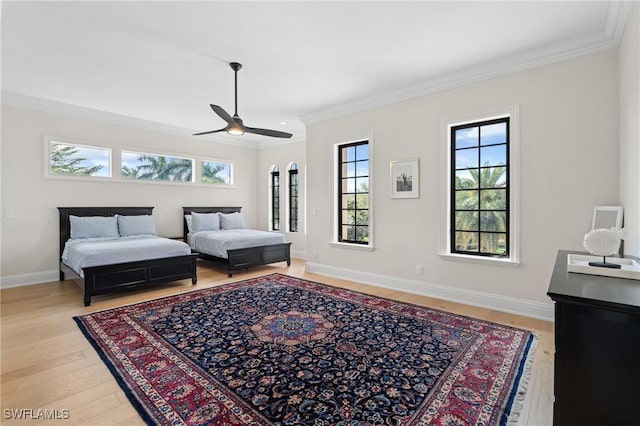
<point>255,256</point>
<point>246,258</point>
<point>122,276</point>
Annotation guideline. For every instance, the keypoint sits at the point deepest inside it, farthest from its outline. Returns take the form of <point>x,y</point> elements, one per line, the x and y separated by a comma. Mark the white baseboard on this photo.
<point>29,279</point>
<point>510,305</point>
<point>298,254</point>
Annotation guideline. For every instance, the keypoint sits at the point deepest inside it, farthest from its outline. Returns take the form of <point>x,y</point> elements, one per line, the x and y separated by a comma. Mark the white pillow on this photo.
<point>189,220</point>
<point>136,225</point>
<point>205,222</point>
<point>93,227</point>
<point>231,220</point>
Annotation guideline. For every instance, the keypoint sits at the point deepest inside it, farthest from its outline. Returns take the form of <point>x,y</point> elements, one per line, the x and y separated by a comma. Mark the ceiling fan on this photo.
<point>235,126</point>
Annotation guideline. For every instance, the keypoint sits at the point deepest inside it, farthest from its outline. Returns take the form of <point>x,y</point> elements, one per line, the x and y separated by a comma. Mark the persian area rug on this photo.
<point>278,350</point>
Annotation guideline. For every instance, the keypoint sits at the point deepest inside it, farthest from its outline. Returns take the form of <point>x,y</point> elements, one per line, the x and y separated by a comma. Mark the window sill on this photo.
<point>111,179</point>
<point>497,261</point>
<point>359,247</point>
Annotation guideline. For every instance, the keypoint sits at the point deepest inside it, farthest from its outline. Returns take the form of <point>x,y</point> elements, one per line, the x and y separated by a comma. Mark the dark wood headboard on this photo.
<point>65,212</point>
<point>189,210</point>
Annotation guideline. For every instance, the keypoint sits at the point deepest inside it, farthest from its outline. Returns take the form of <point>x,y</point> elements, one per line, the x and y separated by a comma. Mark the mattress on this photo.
<point>88,252</point>
<point>216,243</point>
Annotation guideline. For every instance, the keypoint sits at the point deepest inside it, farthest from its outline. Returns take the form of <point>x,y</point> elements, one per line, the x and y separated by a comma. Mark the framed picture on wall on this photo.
<point>405,179</point>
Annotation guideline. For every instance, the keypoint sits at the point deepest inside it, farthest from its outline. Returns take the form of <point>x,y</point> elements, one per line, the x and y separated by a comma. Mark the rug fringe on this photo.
<point>523,385</point>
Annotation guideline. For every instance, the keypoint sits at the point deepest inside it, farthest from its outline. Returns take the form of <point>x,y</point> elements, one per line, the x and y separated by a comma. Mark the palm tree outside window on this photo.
<point>137,165</point>
<point>353,193</point>
<point>480,188</point>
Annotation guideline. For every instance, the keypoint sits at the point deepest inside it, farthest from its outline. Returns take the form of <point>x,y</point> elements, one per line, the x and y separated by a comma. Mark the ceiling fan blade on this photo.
<point>210,131</point>
<point>222,113</point>
<point>267,132</point>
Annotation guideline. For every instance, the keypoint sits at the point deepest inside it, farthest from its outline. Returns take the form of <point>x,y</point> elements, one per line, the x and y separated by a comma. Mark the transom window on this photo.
<point>480,188</point>
<point>67,157</point>
<point>136,165</point>
<point>216,172</point>
<point>353,193</point>
<point>79,160</point>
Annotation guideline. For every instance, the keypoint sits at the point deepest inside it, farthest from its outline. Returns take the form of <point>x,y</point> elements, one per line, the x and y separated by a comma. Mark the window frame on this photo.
<point>292,171</point>
<point>116,150</point>
<point>192,160</point>
<point>339,241</point>
<point>479,209</point>
<point>49,140</point>
<point>447,238</point>
<point>274,198</point>
<point>231,165</point>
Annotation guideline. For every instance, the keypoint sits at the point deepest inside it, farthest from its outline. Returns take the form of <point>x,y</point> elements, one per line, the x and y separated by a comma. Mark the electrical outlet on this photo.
<point>8,213</point>
<point>419,270</point>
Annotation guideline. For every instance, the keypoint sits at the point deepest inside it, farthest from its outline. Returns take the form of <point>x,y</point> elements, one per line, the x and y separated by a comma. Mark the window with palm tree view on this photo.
<point>480,188</point>
<point>79,160</point>
<point>353,193</point>
<point>137,165</point>
<point>216,172</point>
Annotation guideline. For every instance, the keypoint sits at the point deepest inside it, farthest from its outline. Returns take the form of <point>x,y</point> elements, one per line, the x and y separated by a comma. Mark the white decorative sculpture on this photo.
<point>603,242</point>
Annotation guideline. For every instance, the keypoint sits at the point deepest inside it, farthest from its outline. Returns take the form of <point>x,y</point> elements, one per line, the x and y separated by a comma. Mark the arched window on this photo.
<point>275,198</point>
<point>293,197</point>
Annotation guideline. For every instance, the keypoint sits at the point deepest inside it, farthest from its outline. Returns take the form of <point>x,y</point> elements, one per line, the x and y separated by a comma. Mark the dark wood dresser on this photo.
<point>597,348</point>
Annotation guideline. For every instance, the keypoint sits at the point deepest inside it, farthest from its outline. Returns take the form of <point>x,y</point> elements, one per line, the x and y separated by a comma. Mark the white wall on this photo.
<point>30,239</point>
<point>629,62</point>
<point>569,162</point>
<point>283,155</point>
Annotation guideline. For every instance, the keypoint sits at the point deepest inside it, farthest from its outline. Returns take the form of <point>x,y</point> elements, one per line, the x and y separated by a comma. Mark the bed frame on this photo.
<point>121,276</point>
<point>243,258</point>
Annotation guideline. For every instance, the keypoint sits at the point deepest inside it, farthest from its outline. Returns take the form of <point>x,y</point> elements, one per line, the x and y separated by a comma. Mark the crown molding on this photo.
<point>75,111</point>
<point>613,24</point>
<point>271,142</point>
<point>54,107</point>
<point>614,20</point>
<point>451,81</point>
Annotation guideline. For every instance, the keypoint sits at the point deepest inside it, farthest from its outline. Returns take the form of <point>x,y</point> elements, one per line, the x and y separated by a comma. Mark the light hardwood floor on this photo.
<point>47,363</point>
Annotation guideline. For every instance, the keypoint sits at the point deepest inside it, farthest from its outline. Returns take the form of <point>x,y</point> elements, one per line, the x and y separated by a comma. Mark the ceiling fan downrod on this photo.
<point>235,66</point>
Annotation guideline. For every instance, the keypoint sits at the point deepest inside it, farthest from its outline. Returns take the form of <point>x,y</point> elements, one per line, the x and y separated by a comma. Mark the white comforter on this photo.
<point>88,252</point>
<point>216,243</point>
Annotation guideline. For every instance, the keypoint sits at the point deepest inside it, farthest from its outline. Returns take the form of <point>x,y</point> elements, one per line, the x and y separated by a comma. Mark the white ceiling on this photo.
<point>165,62</point>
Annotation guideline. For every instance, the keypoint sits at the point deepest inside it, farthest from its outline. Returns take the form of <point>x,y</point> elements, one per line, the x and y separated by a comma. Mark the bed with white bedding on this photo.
<point>218,233</point>
<point>87,252</point>
<point>217,243</point>
<point>102,257</point>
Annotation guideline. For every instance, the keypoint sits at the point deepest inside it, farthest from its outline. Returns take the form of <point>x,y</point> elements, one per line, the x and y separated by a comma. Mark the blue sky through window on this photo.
<point>224,173</point>
<point>92,157</point>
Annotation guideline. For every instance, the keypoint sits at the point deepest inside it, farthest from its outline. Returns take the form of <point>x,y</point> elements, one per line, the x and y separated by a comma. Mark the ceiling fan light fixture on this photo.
<point>235,130</point>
